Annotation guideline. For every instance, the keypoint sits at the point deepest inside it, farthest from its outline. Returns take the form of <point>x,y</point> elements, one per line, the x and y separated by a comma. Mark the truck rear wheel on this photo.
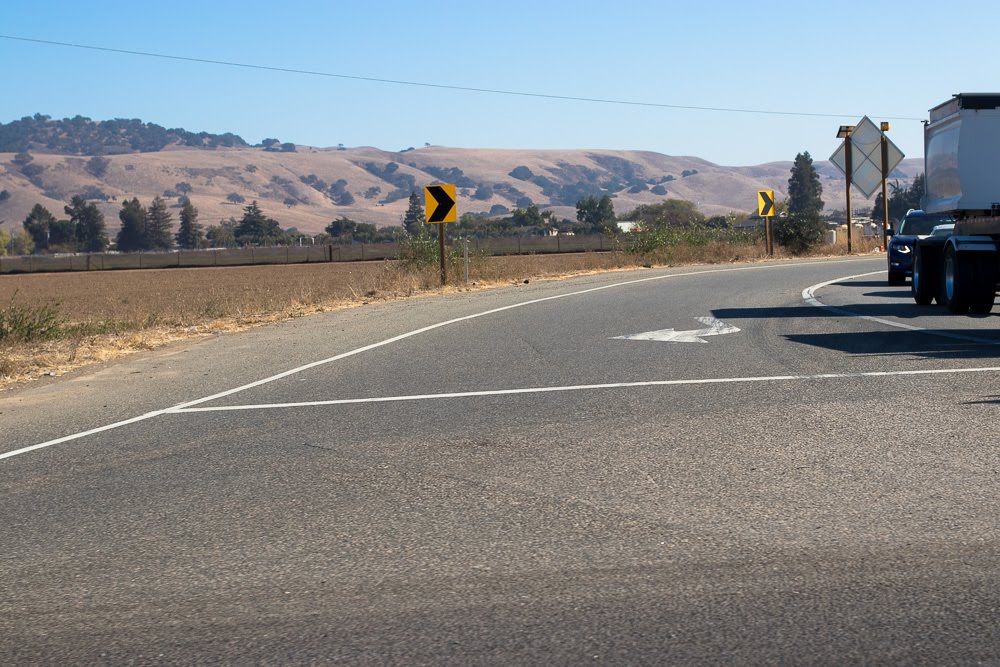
<point>923,286</point>
<point>956,277</point>
<point>983,288</point>
<point>968,278</point>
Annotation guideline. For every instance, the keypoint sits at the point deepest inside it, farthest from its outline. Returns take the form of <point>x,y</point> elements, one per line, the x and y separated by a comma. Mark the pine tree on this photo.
<point>190,234</point>
<point>805,192</point>
<point>132,234</point>
<point>89,224</point>
<point>158,223</point>
<point>413,220</point>
<point>802,228</point>
<point>256,228</point>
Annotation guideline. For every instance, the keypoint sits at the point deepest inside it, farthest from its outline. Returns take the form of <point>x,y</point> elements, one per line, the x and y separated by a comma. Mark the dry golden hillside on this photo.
<point>308,188</point>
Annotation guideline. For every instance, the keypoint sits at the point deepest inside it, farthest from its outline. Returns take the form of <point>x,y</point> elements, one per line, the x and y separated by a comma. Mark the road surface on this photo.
<point>750,464</point>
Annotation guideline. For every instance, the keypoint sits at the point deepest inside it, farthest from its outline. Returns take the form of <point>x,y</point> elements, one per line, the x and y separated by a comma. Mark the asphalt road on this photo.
<point>499,477</point>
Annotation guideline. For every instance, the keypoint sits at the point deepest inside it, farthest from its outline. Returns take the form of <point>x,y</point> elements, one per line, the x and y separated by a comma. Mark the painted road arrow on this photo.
<point>440,203</point>
<point>715,328</point>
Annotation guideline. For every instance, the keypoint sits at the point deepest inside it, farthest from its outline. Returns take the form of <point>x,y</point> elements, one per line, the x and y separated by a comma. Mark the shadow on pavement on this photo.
<point>902,310</point>
<point>862,283</point>
<point>895,294</point>
<point>932,343</point>
<point>903,343</point>
<point>986,401</point>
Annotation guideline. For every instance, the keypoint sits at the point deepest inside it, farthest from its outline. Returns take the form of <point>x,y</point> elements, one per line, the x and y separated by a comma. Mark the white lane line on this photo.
<point>586,387</point>
<point>493,311</point>
<point>366,348</point>
<point>809,295</point>
<point>75,436</point>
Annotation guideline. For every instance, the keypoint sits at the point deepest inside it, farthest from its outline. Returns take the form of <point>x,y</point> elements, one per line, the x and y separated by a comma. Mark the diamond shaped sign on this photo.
<point>866,156</point>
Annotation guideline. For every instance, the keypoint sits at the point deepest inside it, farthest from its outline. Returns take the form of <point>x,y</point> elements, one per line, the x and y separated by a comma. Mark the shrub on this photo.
<point>648,240</point>
<point>799,233</point>
<point>25,324</point>
<point>417,250</point>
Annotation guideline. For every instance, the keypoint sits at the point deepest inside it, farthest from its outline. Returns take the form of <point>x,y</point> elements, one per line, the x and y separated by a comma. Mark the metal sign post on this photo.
<point>439,202</point>
<point>849,172</point>
<point>885,197</point>
<point>765,209</point>
<point>866,157</point>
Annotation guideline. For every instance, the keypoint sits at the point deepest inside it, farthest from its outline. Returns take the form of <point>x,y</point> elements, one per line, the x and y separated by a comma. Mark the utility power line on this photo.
<point>442,86</point>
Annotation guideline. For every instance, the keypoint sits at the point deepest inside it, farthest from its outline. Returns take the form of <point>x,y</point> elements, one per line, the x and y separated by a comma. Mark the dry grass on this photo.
<point>114,313</point>
<point>110,314</point>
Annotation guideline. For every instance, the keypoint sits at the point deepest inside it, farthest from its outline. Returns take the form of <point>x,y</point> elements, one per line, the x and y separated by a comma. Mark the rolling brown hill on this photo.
<point>310,187</point>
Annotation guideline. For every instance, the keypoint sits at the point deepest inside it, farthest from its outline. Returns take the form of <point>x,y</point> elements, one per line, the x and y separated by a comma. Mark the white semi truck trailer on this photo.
<point>962,174</point>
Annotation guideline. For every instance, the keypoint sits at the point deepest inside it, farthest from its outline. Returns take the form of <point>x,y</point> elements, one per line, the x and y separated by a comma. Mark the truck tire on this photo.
<point>983,290</point>
<point>957,278</point>
<point>923,286</point>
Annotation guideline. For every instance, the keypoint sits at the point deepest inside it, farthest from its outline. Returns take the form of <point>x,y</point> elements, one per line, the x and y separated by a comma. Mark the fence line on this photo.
<point>521,245</point>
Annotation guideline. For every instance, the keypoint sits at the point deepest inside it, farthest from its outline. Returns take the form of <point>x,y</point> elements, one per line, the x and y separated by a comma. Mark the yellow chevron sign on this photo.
<point>765,203</point>
<point>440,203</point>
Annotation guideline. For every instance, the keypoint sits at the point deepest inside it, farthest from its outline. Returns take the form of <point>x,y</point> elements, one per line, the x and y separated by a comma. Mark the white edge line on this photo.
<point>183,406</point>
<point>584,387</point>
<point>809,294</point>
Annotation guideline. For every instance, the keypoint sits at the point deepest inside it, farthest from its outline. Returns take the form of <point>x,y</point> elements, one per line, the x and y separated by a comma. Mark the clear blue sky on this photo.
<point>886,59</point>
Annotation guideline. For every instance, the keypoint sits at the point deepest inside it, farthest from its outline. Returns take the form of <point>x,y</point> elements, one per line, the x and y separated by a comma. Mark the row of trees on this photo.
<point>141,228</point>
<point>82,136</point>
<point>146,229</point>
<point>149,228</point>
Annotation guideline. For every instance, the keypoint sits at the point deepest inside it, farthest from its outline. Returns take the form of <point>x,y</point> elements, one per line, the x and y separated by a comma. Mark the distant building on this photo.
<point>627,226</point>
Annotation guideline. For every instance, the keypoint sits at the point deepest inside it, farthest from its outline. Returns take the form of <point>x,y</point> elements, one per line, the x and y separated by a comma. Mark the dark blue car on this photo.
<point>915,224</point>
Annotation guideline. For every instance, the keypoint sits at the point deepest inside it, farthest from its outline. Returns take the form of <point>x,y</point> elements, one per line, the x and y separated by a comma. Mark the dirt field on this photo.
<point>190,296</point>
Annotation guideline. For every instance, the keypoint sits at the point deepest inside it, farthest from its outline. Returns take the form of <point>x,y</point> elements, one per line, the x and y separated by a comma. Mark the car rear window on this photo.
<point>917,225</point>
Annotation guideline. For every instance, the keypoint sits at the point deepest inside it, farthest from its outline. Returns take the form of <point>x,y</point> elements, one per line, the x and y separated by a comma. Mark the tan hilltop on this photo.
<point>308,188</point>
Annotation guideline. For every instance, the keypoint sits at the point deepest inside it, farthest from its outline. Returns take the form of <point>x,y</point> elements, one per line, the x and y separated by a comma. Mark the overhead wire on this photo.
<point>443,86</point>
